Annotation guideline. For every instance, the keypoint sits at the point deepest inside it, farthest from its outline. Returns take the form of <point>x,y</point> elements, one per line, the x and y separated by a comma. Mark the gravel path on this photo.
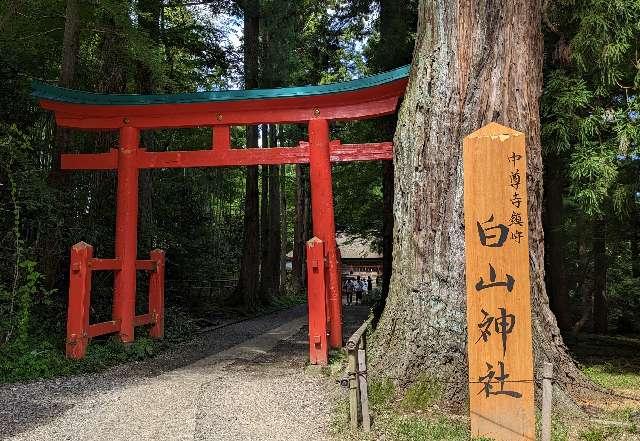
<point>243,382</point>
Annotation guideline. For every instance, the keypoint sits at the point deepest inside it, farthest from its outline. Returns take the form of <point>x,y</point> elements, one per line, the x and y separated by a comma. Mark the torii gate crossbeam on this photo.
<point>129,114</point>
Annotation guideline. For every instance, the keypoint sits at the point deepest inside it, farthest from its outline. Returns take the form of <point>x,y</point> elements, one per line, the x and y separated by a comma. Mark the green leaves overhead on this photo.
<point>589,108</point>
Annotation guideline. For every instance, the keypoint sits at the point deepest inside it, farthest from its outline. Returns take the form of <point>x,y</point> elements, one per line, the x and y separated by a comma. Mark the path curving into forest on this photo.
<point>246,381</point>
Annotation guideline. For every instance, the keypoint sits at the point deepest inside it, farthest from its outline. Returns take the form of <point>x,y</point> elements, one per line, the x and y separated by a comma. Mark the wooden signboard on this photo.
<point>498,289</point>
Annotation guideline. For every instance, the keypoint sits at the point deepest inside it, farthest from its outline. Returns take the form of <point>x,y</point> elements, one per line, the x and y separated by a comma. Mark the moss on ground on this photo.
<point>614,375</point>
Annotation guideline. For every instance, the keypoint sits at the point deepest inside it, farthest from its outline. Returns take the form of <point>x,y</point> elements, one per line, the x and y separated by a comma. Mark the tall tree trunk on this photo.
<point>275,228</point>
<point>270,218</point>
<point>283,225</point>
<point>397,25</point>
<point>635,243</point>
<point>265,224</point>
<point>474,62</point>
<point>300,230</point>
<point>554,243</point>
<point>70,44</point>
<point>584,282</point>
<point>249,276</point>
<point>149,12</point>
<point>600,304</point>
<point>52,244</point>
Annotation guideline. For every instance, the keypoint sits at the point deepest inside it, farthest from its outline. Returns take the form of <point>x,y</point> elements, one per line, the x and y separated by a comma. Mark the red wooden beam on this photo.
<point>105,264</point>
<point>156,294</point>
<point>317,302</point>
<point>79,298</point>
<point>143,319</point>
<point>357,104</point>
<point>103,328</point>
<point>146,265</point>
<point>234,157</point>
<point>90,161</point>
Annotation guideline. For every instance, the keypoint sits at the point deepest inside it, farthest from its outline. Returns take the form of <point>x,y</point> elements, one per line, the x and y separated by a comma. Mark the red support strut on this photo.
<point>124,302</point>
<point>317,298</point>
<point>156,295</point>
<point>79,331</point>
<point>79,298</point>
<point>323,220</point>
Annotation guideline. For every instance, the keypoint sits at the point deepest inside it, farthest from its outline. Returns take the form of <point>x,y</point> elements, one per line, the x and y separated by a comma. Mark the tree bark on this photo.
<point>300,229</point>
<point>474,62</point>
<point>387,230</point>
<point>265,225</point>
<point>247,289</point>
<point>12,9</point>
<point>397,24</point>
<point>52,243</point>
<point>149,12</point>
<point>275,228</point>
<point>584,282</point>
<point>554,243</point>
<point>283,225</point>
<point>600,304</point>
<point>635,243</point>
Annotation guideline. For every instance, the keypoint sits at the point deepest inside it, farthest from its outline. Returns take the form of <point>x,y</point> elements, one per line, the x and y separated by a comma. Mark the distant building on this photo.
<point>358,256</point>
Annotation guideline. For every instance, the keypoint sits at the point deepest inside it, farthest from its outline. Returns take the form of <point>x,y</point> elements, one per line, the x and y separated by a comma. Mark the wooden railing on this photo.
<point>357,374</point>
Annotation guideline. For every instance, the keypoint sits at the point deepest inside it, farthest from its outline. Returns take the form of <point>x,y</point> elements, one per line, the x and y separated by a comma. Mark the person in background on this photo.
<point>369,285</point>
<point>348,289</point>
<point>360,287</point>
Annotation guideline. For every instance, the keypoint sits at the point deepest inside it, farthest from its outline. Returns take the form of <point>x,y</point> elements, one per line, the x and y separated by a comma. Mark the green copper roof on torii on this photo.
<point>53,93</point>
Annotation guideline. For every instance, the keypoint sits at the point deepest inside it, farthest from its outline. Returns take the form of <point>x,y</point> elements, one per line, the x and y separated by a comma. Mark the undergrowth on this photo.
<point>39,354</point>
<point>416,413</point>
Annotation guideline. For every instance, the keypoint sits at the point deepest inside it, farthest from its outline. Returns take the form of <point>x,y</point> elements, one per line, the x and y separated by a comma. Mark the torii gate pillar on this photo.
<point>124,301</point>
<point>323,220</point>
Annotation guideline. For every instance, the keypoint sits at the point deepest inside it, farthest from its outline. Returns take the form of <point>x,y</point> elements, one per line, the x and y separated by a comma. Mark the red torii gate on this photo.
<point>368,97</point>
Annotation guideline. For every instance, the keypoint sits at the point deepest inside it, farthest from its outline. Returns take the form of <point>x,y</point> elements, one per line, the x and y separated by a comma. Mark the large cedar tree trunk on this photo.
<point>247,288</point>
<point>397,24</point>
<point>474,62</point>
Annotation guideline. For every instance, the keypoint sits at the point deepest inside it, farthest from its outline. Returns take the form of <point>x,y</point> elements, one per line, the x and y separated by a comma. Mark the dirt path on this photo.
<point>243,382</point>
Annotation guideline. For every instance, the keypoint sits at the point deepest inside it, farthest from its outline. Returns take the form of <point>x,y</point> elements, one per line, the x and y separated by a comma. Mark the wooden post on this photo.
<point>124,302</point>
<point>500,351</point>
<point>547,400</point>
<point>316,292</point>
<point>156,294</point>
<point>79,299</point>
<point>364,391</point>
<point>323,219</point>
<point>352,366</point>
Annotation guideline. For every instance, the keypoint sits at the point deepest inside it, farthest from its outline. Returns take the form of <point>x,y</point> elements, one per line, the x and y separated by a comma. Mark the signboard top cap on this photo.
<point>494,129</point>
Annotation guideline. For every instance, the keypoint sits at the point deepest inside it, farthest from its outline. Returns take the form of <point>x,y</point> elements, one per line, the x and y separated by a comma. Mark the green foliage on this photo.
<point>604,433</point>
<point>410,428</point>
<point>589,109</point>
<point>381,392</point>
<point>559,430</point>
<point>591,138</point>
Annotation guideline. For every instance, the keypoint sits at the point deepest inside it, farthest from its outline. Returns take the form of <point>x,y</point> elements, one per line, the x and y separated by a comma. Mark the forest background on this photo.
<point>590,133</point>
